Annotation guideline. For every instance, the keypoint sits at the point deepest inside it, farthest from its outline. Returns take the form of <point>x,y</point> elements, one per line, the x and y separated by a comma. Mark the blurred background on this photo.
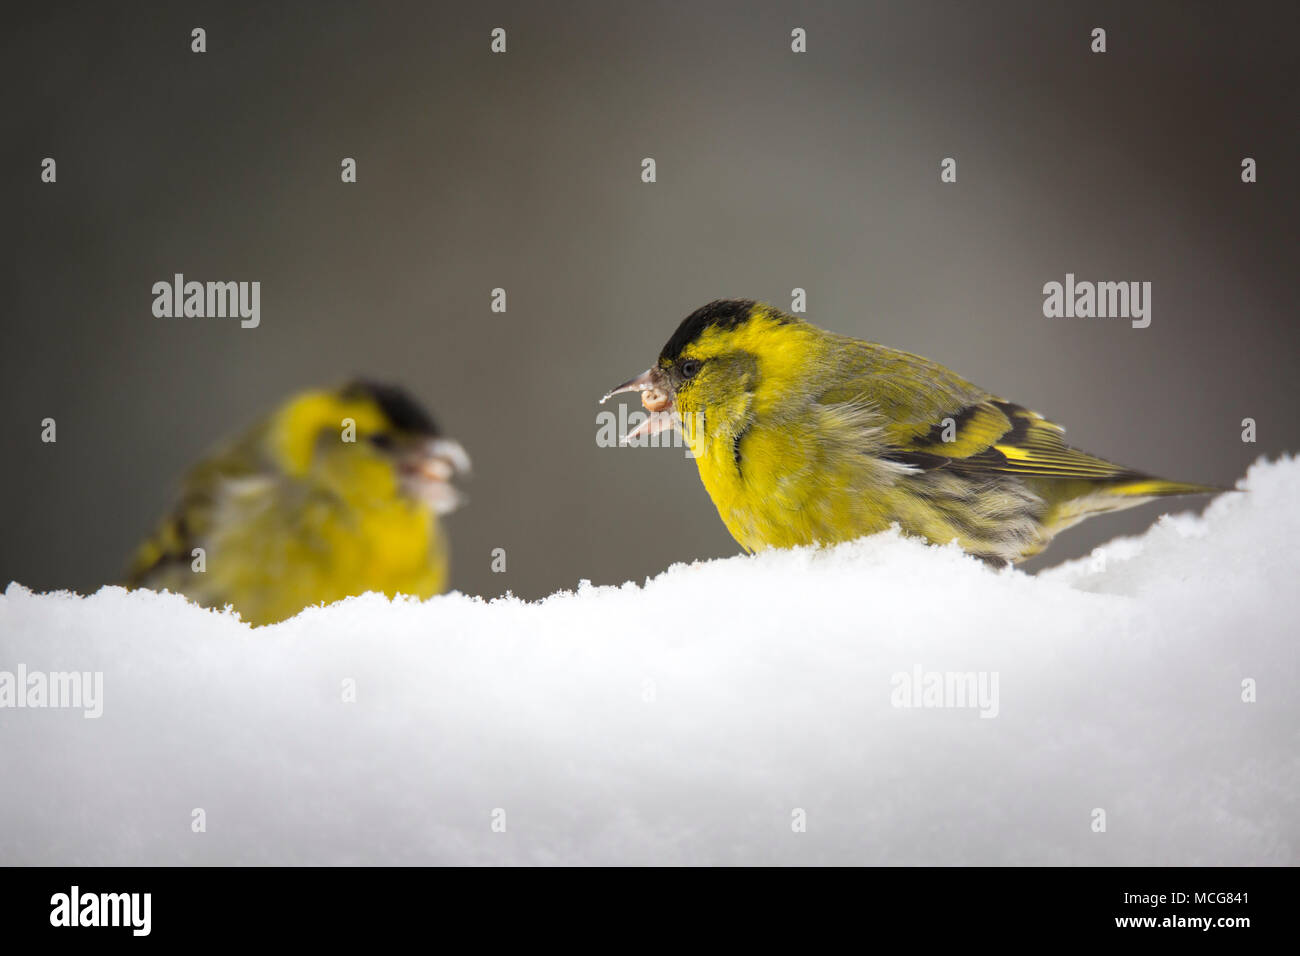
<point>522,171</point>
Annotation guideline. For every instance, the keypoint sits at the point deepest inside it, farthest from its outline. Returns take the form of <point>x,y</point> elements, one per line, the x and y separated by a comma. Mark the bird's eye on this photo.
<point>381,440</point>
<point>690,368</point>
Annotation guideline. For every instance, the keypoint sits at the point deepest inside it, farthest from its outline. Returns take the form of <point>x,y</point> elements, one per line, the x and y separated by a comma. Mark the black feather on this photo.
<point>403,412</point>
<point>723,314</point>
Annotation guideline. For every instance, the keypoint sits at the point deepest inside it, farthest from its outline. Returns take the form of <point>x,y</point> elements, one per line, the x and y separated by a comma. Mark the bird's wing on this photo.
<point>932,418</point>
<point>998,437</point>
<point>189,522</point>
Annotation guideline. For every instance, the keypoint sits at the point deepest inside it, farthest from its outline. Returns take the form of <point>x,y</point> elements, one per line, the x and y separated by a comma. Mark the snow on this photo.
<point>732,711</point>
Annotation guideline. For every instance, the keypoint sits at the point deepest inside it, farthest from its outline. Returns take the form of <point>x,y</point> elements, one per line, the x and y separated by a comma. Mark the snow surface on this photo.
<point>690,720</point>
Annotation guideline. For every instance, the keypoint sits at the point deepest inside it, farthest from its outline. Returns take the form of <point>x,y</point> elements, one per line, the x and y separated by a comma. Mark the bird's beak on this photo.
<point>650,378</point>
<point>657,395</point>
<point>428,469</point>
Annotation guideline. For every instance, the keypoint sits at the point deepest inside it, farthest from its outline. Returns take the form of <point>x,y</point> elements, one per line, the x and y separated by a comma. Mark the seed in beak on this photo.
<point>643,382</point>
<point>447,457</point>
<point>427,471</point>
<point>656,400</point>
<point>657,397</point>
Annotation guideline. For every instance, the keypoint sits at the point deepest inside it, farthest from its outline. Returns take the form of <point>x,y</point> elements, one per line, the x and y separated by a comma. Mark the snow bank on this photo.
<point>735,711</point>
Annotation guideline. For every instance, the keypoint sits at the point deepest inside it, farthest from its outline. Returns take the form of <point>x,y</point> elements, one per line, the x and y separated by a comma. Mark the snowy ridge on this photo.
<point>733,711</point>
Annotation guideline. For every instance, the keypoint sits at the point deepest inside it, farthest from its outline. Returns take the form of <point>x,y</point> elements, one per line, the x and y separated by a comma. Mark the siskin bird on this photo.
<point>307,508</point>
<point>804,437</point>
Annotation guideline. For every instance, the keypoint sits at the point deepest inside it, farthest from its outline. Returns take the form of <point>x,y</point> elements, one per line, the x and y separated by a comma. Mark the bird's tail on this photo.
<point>1146,486</point>
<point>1077,500</point>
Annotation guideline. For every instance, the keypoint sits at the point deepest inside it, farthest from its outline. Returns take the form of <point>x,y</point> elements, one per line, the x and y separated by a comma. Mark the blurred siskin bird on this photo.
<point>306,508</point>
<point>803,436</point>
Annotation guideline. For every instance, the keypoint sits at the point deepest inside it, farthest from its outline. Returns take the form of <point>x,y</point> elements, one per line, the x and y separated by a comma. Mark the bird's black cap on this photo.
<point>402,411</point>
<point>723,314</point>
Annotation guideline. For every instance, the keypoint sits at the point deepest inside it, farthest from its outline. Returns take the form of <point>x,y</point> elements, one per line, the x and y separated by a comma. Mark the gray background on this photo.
<point>775,170</point>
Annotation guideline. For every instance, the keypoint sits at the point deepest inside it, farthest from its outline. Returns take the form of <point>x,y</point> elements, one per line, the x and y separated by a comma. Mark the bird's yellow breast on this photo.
<point>271,557</point>
<point>783,469</point>
<point>789,486</point>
